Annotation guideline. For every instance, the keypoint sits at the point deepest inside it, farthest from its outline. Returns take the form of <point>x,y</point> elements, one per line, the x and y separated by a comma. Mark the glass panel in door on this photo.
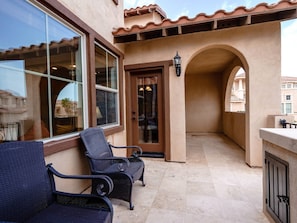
<point>148,130</point>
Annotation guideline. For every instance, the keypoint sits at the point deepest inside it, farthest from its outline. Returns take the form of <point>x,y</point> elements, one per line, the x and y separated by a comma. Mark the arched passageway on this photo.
<point>208,82</point>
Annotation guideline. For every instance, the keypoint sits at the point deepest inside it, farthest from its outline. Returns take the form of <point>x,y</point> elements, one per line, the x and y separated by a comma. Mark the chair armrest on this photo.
<point>105,183</point>
<point>119,160</point>
<point>138,148</point>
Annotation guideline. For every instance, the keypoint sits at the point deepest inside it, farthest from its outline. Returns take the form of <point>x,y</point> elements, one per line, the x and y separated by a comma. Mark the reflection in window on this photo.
<point>12,70</point>
<point>37,102</point>
<point>106,87</point>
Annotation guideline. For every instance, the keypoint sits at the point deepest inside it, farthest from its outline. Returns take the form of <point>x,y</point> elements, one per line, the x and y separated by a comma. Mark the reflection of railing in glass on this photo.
<point>9,131</point>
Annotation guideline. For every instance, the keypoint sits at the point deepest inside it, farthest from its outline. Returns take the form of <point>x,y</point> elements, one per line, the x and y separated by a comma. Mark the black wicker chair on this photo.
<point>123,171</point>
<point>28,192</point>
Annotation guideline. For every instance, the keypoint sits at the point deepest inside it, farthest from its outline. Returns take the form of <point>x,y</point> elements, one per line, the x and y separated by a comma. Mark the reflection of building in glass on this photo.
<point>12,109</point>
<point>44,115</point>
<point>66,113</point>
<point>65,108</point>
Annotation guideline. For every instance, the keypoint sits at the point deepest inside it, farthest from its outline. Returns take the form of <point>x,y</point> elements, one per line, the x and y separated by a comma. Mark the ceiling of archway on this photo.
<point>210,61</point>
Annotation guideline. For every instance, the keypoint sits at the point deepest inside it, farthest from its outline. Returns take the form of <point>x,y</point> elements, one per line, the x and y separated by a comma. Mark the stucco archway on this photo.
<point>207,83</point>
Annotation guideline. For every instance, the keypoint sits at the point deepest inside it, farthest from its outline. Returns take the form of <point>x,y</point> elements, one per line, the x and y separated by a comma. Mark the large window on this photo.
<point>40,72</point>
<point>107,96</point>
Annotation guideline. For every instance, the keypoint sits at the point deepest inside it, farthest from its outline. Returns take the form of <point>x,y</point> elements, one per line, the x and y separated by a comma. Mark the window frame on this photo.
<point>83,41</point>
<point>51,15</point>
<point>110,89</point>
<point>92,36</point>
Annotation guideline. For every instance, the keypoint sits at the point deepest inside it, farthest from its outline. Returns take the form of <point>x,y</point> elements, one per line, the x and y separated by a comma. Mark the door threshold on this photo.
<point>152,155</point>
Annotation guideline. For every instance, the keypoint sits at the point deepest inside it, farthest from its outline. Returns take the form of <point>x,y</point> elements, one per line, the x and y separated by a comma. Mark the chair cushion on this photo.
<point>136,169</point>
<point>56,213</point>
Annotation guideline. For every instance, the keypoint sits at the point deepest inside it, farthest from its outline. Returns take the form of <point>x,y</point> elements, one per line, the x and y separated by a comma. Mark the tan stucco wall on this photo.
<point>264,76</point>
<point>102,16</point>
<point>177,119</point>
<point>118,139</point>
<point>204,103</point>
<point>258,48</point>
<point>234,127</point>
<point>70,161</point>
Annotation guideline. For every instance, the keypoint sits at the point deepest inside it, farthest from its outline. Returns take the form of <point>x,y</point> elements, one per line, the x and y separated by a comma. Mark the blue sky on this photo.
<point>190,8</point>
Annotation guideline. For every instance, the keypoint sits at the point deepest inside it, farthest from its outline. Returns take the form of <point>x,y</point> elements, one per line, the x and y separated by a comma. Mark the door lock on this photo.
<point>133,115</point>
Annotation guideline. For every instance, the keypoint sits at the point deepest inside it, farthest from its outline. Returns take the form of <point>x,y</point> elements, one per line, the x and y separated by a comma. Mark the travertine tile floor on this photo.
<point>214,185</point>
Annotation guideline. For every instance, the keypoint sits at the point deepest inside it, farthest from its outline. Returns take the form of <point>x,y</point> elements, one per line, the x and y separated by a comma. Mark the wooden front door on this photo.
<point>147,111</point>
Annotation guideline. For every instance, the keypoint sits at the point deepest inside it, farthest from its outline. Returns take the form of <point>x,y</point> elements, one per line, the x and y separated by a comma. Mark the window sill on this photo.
<point>56,146</point>
<point>61,145</point>
<point>113,130</point>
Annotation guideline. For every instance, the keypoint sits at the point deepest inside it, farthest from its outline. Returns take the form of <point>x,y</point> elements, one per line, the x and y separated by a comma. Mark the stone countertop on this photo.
<point>285,138</point>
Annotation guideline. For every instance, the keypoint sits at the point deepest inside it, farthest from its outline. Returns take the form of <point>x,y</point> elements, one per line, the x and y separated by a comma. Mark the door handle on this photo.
<point>283,198</point>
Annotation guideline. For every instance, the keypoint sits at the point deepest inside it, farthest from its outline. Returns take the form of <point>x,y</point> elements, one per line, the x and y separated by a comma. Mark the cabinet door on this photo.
<point>277,188</point>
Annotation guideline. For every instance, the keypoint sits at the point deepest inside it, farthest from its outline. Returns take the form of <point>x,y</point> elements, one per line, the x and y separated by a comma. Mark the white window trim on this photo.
<point>83,68</point>
<point>117,91</point>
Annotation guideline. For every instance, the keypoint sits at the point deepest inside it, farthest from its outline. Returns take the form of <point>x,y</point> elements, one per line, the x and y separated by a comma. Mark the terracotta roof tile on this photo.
<point>144,10</point>
<point>68,43</point>
<point>263,12</point>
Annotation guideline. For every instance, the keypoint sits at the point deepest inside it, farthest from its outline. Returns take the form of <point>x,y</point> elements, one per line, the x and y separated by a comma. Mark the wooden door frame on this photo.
<point>163,66</point>
<point>150,147</point>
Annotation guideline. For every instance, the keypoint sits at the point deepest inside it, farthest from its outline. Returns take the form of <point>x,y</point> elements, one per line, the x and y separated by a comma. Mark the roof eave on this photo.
<point>262,13</point>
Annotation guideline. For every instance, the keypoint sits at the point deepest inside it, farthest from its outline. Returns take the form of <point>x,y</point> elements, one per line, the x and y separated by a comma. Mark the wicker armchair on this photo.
<point>28,192</point>
<point>123,171</point>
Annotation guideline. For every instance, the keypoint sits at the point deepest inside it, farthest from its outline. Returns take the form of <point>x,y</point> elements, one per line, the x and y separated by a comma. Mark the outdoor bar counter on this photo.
<point>280,173</point>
